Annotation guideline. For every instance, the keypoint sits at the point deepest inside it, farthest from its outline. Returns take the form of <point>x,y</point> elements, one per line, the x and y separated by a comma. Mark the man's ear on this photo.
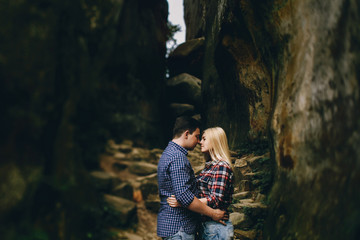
<point>186,134</point>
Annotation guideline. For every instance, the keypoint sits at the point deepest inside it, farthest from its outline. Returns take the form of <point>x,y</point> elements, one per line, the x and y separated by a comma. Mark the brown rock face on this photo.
<point>73,74</point>
<point>288,70</point>
<point>236,81</point>
<point>315,124</point>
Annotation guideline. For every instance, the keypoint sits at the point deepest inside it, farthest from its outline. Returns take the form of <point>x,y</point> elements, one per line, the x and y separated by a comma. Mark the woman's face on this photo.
<point>205,144</point>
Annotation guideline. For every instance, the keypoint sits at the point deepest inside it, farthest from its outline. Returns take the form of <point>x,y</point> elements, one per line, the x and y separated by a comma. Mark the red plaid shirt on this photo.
<point>216,184</point>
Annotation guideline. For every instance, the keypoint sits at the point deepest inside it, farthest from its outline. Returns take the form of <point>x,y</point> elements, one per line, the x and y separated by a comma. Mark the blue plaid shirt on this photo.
<point>176,177</point>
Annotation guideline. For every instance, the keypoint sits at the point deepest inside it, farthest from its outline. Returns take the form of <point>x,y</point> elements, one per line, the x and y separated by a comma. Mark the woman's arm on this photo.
<point>221,180</point>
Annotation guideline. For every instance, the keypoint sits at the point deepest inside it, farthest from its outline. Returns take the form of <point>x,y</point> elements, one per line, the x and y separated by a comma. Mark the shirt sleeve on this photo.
<point>220,180</point>
<point>182,179</point>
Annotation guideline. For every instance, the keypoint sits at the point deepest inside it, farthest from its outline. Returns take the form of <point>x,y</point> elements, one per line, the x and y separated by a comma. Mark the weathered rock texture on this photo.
<point>188,57</point>
<point>289,71</point>
<point>315,126</point>
<point>73,74</point>
<point>236,83</point>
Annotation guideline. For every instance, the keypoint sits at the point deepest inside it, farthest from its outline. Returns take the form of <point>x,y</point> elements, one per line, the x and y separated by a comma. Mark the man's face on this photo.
<point>193,139</point>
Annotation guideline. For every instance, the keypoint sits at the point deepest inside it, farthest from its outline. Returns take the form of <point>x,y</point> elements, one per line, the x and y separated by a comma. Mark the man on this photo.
<point>176,177</point>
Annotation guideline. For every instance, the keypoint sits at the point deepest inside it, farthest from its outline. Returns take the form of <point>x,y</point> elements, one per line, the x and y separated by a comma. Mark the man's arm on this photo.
<point>202,208</point>
<point>180,174</point>
<point>216,214</point>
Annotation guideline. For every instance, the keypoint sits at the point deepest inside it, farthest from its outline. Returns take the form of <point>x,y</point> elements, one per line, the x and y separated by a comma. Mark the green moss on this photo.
<point>257,147</point>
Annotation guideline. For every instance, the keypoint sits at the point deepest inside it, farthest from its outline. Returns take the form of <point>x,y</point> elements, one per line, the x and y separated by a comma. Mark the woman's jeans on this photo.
<point>213,230</point>
<point>181,235</point>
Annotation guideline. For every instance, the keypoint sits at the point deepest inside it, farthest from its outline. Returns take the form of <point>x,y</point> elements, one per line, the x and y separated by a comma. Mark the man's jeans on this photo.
<point>216,231</point>
<point>181,235</point>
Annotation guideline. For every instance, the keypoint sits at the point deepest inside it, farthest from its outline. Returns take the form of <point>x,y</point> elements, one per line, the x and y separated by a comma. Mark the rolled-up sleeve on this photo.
<point>182,178</point>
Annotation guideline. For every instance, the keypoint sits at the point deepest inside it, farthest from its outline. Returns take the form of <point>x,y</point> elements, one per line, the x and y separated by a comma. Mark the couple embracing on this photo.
<point>195,206</point>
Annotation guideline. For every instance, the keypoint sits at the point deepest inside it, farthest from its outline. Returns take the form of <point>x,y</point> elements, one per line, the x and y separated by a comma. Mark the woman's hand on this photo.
<point>173,202</point>
<point>204,201</point>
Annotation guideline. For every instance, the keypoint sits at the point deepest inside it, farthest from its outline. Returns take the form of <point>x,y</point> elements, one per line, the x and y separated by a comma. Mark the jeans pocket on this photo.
<point>230,230</point>
<point>210,231</point>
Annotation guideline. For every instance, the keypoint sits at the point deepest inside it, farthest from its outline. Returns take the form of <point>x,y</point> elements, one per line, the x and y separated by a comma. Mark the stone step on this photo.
<point>152,203</point>
<point>245,235</point>
<point>246,185</point>
<point>123,211</point>
<point>240,220</point>
<point>104,181</point>
<point>257,162</point>
<point>124,190</point>
<point>249,176</point>
<point>142,168</point>
<point>241,195</point>
<point>249,203</point>
<point>255,210</point>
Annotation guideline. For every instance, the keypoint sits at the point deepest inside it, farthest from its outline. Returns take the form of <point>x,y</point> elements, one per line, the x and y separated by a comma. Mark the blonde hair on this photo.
<point>219,148</point>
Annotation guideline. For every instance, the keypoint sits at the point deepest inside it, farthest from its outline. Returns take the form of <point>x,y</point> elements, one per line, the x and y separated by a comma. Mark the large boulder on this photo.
<point>184,88</point>
<point>287,71</point>
<point>187,58</point>
<point>104,181</point>
<point>124,190</point>
<point>142,168</point>
<point>125,211</point>
<point>180,109</point>
<point>73,75</point>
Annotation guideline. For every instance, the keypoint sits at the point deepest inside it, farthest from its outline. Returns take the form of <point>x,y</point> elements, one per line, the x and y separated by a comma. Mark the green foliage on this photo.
<point>171,41</point>
<point>36,234</point>
<point>247,211</point>
<point>259,224</point>
<point>97,219</point>
<point>265,182</point>
<point>231,208</point>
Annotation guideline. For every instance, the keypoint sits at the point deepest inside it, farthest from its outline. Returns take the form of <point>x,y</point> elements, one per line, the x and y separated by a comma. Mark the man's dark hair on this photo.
<point>184,123</point>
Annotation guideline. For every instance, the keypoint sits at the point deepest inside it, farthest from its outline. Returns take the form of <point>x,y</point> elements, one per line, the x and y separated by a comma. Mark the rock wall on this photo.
<point>315,126</point>
<point>288,71</point>
<point>236,80</point>
<point>73,74</point>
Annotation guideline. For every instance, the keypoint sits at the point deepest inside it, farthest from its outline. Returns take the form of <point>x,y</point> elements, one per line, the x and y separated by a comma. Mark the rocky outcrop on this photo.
<point>236,81</point>
<point>126,210</point>
<point>315,126</point>
<point>188,58</point>
<point>194,16</point>
<point>286,71</point>
<point>73,74</point>
<point>185,89</point>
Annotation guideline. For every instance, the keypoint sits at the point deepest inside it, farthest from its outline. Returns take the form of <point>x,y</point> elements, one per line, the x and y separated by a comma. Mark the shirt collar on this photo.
<point>210,163</point>
<point>182,149</point>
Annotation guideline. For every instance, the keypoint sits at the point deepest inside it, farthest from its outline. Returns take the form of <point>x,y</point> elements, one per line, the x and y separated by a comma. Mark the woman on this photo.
<point>215,183</point>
